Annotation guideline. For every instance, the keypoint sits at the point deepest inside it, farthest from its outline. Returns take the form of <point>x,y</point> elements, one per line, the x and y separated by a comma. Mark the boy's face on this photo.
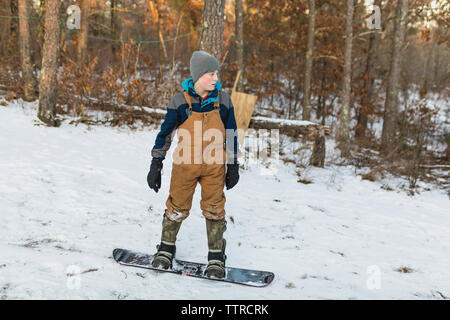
<point>208,81</point>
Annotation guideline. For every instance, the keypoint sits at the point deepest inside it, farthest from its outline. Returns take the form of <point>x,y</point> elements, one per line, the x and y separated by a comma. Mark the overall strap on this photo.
<point>217,103</point>
<point>188,100</point>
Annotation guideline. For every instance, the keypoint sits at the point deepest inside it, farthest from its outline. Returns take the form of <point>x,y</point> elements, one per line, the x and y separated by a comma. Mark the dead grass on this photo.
<point>36,243</point>
<point>405,269</point>
<point>304,181</point>
<point>290,285</point>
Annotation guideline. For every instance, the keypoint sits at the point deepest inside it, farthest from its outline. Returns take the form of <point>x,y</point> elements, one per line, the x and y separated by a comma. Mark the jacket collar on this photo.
<point>213,96</point>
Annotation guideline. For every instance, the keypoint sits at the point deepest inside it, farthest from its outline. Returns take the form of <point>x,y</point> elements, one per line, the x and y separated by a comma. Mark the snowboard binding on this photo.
<point>216,263</point>
<point>164,257</point>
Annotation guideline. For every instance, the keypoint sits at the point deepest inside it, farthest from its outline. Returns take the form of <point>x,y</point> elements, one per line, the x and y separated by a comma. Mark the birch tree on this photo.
<point>344,120</point>
<point>306,113</point>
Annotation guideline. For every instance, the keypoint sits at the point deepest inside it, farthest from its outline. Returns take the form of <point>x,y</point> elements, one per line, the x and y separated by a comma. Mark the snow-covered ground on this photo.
<point>70,195</point>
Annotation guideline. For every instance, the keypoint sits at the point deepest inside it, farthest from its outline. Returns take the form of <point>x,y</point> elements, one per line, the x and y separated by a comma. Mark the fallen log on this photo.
<point>296,128</point>
<point>293,128</point>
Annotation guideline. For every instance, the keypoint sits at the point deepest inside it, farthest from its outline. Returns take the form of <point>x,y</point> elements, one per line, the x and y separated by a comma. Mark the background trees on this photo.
<point>295,55</point>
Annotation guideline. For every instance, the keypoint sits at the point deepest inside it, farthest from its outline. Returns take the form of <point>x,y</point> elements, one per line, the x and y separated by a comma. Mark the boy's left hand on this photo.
<point>154,176</point>
<point>232,175</point>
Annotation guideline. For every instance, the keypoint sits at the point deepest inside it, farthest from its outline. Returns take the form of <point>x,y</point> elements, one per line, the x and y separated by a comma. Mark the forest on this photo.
<point>375,74</point>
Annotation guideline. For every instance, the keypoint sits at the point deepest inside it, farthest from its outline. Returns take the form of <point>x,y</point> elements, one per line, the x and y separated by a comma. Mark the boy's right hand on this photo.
<point>154,176</point>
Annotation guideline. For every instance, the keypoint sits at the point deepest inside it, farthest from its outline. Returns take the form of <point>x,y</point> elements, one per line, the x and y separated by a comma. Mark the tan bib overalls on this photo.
<point>199,157</point>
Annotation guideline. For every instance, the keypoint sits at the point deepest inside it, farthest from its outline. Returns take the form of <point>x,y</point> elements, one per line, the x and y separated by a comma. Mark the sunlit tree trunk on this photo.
<point>50,61</point>
<point>212,35</point>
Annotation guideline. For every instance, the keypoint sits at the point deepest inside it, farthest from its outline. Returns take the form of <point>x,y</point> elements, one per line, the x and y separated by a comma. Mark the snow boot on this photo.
<point>166,249</point>
<point>216,246</point>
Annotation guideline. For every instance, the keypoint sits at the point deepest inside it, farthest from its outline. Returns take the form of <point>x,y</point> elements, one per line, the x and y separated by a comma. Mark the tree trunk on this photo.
<point>321,105</point>
<point>436,83</point>
<point>447,151</point>
<point>84,30</point>
<point>239,12</point>
<point>424,86</point>
<point>50,61</point>
<point>367,103</point>
<point>41,26</point>
<point>391,102</point>
<point>309,61</point>
<point>154,7</point>
<point>24,47</point>
<point>212,35</point>
<point>432,60</point>
<point>194,22</point>
<point>344,132</point>
<point>14,26</point>
<point>5,25</point>
<point>114,45</point>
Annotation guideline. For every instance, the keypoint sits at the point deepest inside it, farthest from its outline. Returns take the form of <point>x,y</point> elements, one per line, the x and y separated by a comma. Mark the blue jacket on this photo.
<point>176,115</point>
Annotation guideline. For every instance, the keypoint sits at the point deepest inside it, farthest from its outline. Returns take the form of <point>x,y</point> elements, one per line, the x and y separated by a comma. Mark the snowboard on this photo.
<point>253,278</point>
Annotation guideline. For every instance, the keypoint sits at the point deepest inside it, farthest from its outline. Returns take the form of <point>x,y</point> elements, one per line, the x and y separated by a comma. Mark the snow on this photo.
<point>284,121</point>
<point>70,195</point>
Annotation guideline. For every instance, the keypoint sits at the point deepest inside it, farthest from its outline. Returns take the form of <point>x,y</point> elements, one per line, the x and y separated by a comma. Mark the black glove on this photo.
<point>232,176</point>
<point>154,176</point>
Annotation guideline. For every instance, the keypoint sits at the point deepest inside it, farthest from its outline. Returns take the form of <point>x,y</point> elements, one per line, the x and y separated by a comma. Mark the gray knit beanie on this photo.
<point>201,63</point>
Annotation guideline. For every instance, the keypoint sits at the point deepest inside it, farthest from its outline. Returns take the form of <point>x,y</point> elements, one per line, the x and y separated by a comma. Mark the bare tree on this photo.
<point>367,103</point>
<point>84,30</point>
<point>14,12</point>
<point>239,13</point>
<point>391,102</point>
<point>50,60</point>
<point>114,45</point>
<point>154,9</point>
<point>309,61</point>
<point>5,25</point>
<point>41,25</point>
<point>212,35</point>
<point>24,47</point>
<point>344,121</point>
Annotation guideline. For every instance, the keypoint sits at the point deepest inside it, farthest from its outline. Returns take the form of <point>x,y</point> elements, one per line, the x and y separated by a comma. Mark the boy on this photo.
<point>200,111</point>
